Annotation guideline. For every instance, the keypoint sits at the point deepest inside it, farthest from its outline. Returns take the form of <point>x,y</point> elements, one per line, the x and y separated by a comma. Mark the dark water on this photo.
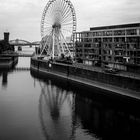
<point>35,107</point>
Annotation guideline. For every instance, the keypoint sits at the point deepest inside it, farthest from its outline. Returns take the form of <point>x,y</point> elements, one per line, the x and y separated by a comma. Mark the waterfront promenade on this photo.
<point>99,69</point>
<point>120,83</point>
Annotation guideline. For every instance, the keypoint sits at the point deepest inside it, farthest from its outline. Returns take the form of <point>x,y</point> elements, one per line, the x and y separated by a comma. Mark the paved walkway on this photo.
<point>98,69</point>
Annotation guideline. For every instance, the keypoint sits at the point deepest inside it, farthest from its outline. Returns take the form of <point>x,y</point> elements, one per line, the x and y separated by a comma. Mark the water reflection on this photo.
<point>4,79</point>
<point>67,110</point>
<point>76,112</point>
<point>55,112</point>
<point>108,122</point>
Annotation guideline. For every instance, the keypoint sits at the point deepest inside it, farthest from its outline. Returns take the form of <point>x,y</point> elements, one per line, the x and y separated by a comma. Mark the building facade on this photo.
<point>116,46</point>
<point>4,44</point>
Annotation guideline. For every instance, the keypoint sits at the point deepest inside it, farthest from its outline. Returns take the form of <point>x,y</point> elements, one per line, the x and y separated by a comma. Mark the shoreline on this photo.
<point>85,81</point>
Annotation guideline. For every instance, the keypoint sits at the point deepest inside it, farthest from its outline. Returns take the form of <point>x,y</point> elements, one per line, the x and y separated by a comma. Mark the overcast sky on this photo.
<point>22,17</point>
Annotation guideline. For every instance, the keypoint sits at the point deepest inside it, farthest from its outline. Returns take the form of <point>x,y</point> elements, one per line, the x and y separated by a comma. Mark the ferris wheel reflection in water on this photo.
<point>56,112</point>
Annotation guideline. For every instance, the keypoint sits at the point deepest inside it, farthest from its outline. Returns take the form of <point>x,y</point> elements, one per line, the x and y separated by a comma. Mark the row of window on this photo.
<point>132,46</point>
<point>120,53</point>
<point>116,59</point>
<point>118,32</point>
<point>110,40</point>
<point>121,60</point>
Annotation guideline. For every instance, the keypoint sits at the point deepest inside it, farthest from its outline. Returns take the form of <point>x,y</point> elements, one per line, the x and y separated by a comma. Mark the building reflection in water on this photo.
<point>107,120</point>
<point>4,79</point>
<point>71,112</point>
<point>4,75</point>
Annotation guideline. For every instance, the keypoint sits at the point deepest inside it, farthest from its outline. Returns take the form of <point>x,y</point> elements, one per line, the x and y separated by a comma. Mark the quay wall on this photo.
<point>72,71</point>
<point>7,61</point>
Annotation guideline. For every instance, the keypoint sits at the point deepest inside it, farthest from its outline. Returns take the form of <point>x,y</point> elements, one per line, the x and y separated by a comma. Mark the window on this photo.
<point>119,32</point>
<point>131,32</point>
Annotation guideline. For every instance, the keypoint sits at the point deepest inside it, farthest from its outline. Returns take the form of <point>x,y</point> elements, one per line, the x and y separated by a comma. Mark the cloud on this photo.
<point>22,17</point>
<point>106,12</point>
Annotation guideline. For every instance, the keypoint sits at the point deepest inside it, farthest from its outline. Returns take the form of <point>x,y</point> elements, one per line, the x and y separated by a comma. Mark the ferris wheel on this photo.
<point>57,24</point>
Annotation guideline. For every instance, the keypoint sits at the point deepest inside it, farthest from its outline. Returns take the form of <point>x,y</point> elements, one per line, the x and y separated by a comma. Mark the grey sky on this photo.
<point>22,17</point>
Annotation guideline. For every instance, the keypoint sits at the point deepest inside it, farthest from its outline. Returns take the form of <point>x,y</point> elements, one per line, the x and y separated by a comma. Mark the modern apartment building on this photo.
<point>116,46</point>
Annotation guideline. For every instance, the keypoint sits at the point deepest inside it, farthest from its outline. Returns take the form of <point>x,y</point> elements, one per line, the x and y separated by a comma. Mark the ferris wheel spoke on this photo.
<point>64,8</point>
<point>61,6</point>
<point>66,32</point>
<point>67,9</point>
<point>47,27</point>
<point>67,12</point>
<point>49,30</point>
<point>53,6</point>
<point>69,29</point>
<point>68,19</point>
<point>49,22</point>
<point>49,9</point>
<point>57,18</point>
<point>69,15</point>
<point>52,12</point>
<point>67,24</point>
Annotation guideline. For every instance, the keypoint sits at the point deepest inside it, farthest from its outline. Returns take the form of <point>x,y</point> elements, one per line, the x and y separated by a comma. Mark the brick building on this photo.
<point>4,44</point>
<point>116,46</point>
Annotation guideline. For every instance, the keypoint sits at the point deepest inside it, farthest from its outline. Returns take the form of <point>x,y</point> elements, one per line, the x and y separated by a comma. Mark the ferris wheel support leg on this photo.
<point>42,50</point>
<point>53,45</point>
<point>66,44</point>
<point>62,46</point>
<point>59,44</point>
<point>44,47</point>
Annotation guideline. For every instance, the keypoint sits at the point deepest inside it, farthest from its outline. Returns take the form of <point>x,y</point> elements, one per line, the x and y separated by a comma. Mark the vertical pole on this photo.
<point>53,46</point>
<point>66,45</point>
<point>61,44</point>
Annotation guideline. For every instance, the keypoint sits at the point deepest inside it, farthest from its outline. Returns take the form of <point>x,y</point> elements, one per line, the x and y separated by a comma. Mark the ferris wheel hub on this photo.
<point>56,25</point>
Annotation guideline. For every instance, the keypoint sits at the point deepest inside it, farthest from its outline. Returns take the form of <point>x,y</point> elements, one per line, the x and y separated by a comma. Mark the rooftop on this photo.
<point>115,26</point>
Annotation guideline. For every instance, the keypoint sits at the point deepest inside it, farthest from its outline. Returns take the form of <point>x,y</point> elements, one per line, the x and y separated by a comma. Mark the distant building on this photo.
<point>116,46</point>
<point>4,44</point>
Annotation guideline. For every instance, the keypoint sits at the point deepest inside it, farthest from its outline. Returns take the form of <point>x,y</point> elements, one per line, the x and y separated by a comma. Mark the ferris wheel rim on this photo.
<point>72,10</point>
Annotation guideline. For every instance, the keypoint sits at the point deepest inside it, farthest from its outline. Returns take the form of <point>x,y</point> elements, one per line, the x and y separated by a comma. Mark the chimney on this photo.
<point>6,37</point>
